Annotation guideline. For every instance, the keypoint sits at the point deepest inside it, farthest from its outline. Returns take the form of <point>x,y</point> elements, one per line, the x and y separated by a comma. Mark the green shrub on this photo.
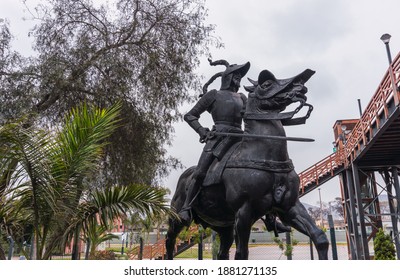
<point>114,249</point>
<point>287,249</point>
<point>103,255</point>
<point>384,247</point>
<point>215,247</point>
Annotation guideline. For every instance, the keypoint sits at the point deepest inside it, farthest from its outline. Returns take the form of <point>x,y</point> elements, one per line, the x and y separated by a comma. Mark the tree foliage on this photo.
<point>316,212</point>
<point>384,247</point>
<point>334,207</point>
<point>142,53</point>
<point>287,249</point>
<point>337,206</point>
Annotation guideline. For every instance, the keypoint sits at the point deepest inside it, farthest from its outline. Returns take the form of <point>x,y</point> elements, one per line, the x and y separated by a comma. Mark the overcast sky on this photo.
<point>338,39</point>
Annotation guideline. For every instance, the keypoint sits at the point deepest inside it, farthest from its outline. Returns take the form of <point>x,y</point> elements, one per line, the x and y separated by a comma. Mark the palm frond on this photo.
<point>117,202</point>
<point>25,162</point>
<point>83,137</point>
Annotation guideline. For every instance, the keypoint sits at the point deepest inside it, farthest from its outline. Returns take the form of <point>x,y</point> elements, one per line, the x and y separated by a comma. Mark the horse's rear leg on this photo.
<point>226,241</point>
<point>299,218</point>
<point>174,229</point>
<point>243,223</point>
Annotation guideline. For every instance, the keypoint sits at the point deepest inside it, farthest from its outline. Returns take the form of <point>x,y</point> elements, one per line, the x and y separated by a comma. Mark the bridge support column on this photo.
<point>393,181</point>
<point>354,214</point>
<point>360,207</point>
<point>354,238</point>
<point>347,214</point>
<point>396,184</point>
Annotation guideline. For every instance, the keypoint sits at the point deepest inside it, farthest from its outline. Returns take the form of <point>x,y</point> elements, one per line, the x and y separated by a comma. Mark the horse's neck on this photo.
<point>269,127</point>
<point>265,148</point>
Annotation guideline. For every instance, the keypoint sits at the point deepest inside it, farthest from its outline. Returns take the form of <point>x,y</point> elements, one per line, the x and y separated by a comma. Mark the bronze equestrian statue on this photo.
<point>227,107</point>
<point>253,177</point>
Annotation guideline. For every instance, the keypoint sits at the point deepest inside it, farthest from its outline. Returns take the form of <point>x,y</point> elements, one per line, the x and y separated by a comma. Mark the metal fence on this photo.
<point>261,247</point>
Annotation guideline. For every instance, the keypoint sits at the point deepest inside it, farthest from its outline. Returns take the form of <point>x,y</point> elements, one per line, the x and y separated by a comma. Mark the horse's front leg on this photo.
<point>243,223</point>
<point>298,217</point>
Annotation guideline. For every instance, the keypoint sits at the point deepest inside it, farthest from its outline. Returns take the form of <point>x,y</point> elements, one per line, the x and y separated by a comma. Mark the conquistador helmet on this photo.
<point>226,76</point>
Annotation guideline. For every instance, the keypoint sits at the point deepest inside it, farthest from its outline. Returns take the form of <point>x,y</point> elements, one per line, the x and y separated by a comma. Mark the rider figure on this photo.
<point>226,107</point>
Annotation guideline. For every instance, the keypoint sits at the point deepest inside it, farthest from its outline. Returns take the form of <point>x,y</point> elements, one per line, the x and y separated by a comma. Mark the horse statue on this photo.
<point>257,176</point>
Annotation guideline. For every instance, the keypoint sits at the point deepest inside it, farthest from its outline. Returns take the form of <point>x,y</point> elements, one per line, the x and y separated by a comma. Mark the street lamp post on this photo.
<point>359,107</point>
<point>386,39</point>
<point>331,225</point>
<point>320,207</point>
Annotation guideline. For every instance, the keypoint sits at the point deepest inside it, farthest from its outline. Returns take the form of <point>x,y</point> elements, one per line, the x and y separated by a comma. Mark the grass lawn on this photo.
<point>192,253</point>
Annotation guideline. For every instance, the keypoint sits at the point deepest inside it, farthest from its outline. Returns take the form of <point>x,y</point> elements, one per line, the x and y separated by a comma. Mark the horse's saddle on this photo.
<point>216,169</point>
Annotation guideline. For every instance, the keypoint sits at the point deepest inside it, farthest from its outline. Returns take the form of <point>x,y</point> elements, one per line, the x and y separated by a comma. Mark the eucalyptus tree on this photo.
<point>143,53</point>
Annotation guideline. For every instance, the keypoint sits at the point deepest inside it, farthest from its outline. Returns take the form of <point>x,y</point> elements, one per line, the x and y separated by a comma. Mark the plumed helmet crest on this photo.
<point>226,76</point>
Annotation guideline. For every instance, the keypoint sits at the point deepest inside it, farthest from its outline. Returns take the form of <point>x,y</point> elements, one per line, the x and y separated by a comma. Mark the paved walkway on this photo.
<point>300,252</point>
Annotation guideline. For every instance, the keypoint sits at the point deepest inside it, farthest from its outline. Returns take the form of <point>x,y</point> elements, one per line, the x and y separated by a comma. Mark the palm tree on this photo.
<point>12,218</point>
<point>104,206</point>
<point>51,180</point>
<point>94,235</point>
<point>132,224</point>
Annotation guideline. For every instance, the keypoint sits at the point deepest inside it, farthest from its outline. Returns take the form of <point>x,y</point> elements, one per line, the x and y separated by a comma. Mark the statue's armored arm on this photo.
<point>193,121</point>
<point>192,117</point>
<point>195,124</point>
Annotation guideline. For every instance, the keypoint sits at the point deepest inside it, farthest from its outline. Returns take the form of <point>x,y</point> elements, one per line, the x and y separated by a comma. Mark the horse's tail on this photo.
<point>175,225</point>
<point>180,193</point>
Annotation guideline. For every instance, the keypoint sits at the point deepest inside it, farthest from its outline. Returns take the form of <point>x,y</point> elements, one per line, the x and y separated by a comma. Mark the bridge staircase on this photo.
<point>321,172</point>
<point>157,250</point>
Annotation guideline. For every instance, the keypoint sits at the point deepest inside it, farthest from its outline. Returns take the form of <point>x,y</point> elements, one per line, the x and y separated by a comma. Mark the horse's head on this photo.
<point>271,94</point>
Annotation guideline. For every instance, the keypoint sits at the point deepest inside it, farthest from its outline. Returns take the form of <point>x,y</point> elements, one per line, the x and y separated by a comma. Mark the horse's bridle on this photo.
<point>285,117</point>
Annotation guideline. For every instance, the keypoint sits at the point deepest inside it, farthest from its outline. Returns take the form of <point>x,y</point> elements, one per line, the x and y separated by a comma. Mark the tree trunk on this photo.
<point>75,245</point>
<point>88,249</point>
<point>2,253</point>
<point>34,247</point>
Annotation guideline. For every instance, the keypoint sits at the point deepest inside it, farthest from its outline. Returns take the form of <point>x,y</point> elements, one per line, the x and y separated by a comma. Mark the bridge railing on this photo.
<point>151,251</point>
<point>158,250</point>
<point>386,92</point>
<point>325,167</point>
